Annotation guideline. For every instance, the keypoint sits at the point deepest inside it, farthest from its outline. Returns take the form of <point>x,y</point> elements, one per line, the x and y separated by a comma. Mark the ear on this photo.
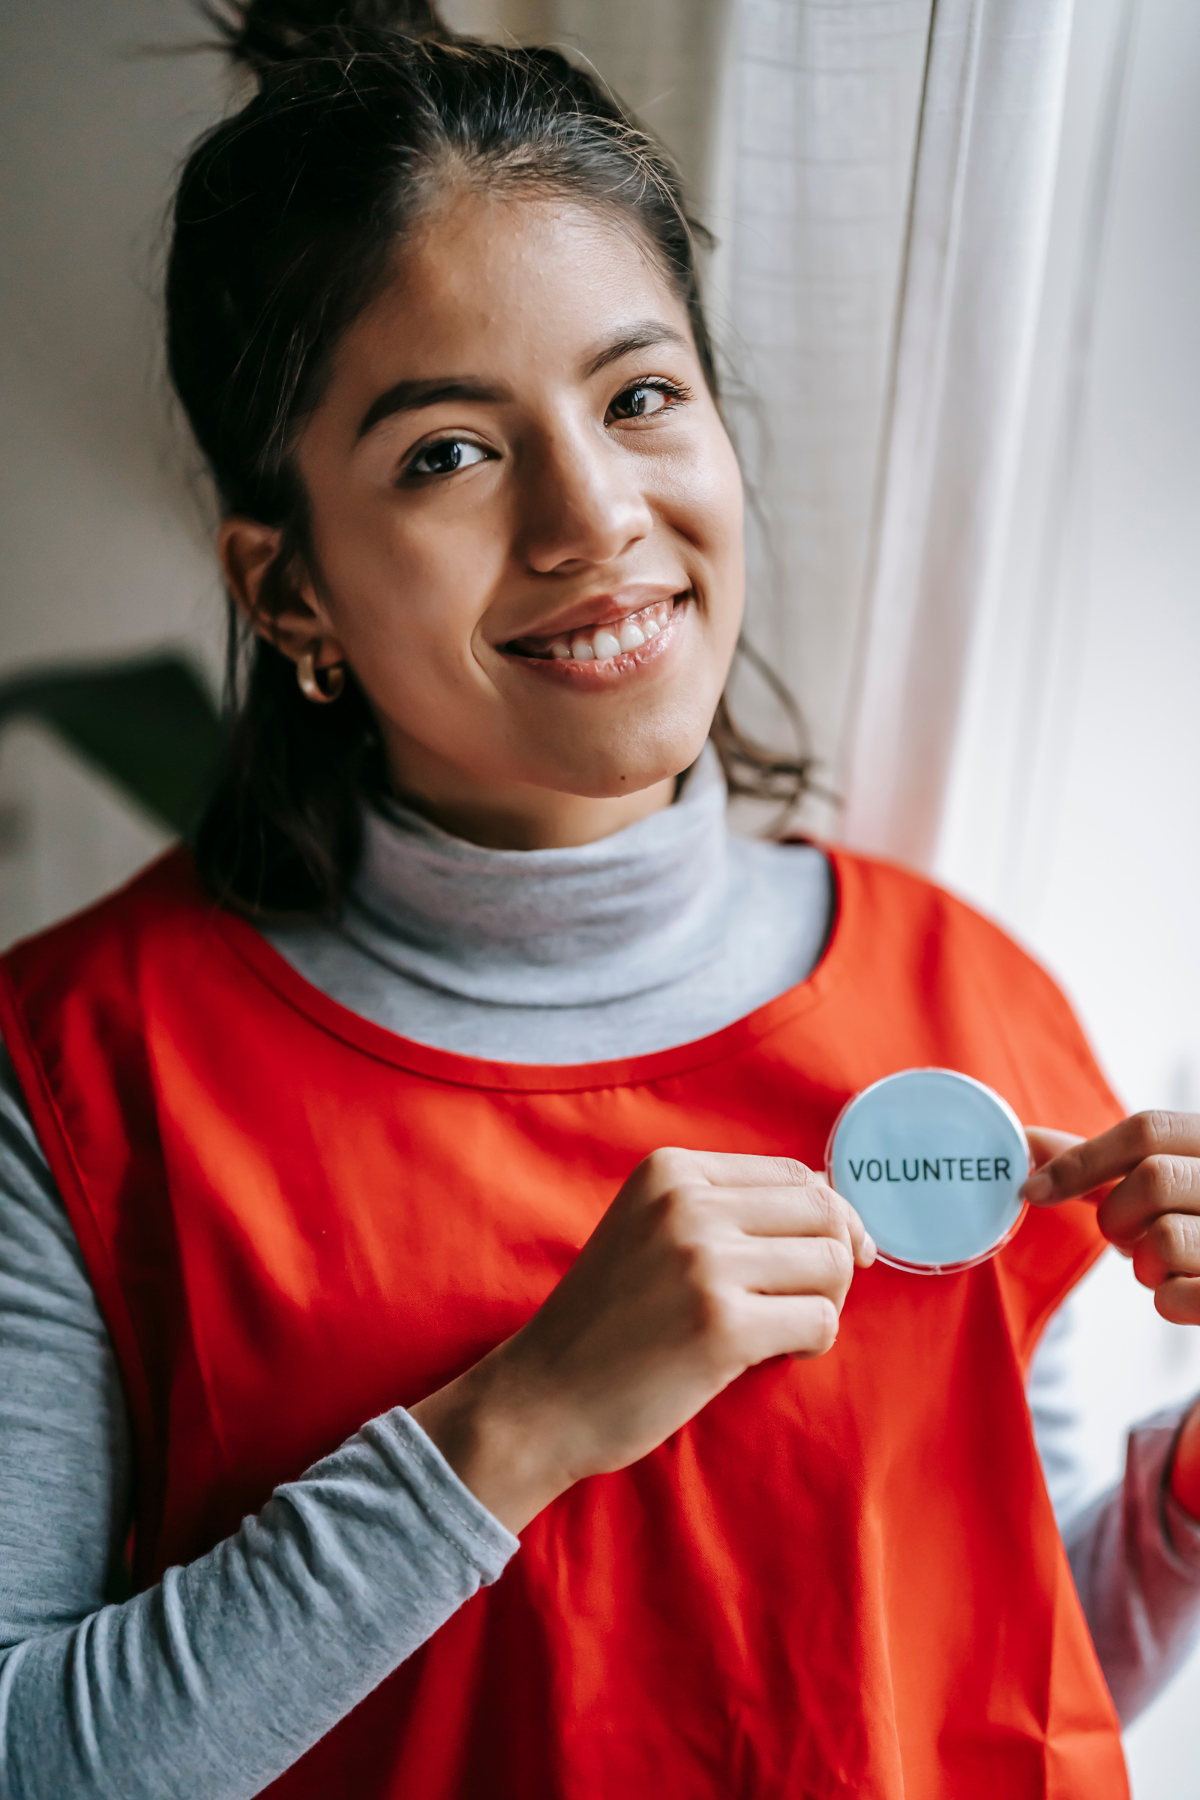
<point>287,612</point>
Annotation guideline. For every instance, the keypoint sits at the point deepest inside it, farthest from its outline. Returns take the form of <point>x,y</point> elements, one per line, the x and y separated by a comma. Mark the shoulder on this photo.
<point>911,938</point>
<point>909,915</point>
<point>34,1233</point>
<point>157,912</point>
<point>86,1009</point>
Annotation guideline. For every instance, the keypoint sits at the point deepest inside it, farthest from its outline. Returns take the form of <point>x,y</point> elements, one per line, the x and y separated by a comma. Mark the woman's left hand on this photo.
<point>1151,1215</point>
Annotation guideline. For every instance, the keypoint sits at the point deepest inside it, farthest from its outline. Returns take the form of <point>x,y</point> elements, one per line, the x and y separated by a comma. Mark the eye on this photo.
<point>645,399</point>
<point>445,457</point>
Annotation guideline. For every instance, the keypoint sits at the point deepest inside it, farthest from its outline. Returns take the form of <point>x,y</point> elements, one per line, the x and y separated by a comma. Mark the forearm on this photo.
<point>208,1686</point>
<point>212,1683</point>
<point>1135,1556</point>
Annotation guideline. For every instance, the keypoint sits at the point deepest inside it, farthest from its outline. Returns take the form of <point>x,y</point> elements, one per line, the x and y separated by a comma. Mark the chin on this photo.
<point>628,766</point>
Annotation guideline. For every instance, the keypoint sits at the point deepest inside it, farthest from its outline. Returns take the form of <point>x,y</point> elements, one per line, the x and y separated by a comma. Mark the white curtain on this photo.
<point>819,134</point>
<point>983,182</point>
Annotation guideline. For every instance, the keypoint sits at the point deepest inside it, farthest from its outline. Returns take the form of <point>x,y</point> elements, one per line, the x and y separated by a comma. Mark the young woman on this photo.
<point>425,1158</point>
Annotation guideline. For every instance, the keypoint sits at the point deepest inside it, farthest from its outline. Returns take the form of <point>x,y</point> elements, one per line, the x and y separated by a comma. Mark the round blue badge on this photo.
<point>932,1161</point>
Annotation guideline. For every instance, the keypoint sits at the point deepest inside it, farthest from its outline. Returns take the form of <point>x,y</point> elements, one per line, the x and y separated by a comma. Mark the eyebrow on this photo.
<point>644,336</point>
<point>411,396</point>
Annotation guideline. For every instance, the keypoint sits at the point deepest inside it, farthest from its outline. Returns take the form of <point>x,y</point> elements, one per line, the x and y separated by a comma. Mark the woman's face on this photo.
<point>526,524</point>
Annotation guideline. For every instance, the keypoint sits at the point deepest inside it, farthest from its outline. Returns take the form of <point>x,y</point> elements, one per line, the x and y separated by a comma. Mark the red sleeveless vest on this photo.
<point>842,1578</point>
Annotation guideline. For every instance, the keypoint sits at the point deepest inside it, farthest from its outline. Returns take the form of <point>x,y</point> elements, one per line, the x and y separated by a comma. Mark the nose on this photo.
<point>583,503</point>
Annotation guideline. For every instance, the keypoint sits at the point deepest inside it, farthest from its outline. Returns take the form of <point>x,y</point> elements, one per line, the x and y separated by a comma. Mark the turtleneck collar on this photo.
<point>632,912</point>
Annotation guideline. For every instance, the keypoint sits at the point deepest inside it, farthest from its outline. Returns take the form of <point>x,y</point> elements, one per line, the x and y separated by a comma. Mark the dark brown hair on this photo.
<point>286,221</point>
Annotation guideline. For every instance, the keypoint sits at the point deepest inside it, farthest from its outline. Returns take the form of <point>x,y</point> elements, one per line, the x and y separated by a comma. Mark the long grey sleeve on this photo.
<point>211,1684</point>
<point>65,1456</point>
<point>1134,1552</point>
<point>1135,1556</point>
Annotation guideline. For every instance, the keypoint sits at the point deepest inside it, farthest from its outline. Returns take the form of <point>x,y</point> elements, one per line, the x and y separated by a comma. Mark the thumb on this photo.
<point>1045,1145</point>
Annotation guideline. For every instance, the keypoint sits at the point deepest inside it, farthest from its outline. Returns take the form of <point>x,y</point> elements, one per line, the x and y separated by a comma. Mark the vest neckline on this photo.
<point>454,1069</point>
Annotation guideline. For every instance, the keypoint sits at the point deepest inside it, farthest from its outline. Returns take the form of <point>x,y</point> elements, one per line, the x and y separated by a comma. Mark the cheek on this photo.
<point>705,502</point>
<point>409,592</point>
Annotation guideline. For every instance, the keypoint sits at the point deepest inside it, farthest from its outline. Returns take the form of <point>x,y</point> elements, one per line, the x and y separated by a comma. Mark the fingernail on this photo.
<point>868,1250</point>
<point>1038,1189</point>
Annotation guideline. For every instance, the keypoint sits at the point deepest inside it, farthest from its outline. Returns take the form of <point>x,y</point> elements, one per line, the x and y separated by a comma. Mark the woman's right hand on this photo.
<point>704,1265</point>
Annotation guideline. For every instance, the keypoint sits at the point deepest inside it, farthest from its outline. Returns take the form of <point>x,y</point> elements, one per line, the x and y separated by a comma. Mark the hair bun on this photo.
<point>264,34</point>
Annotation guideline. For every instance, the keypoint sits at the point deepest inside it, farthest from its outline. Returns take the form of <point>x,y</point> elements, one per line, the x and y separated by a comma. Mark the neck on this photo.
<point>516,815</point>
<point>554,926</point>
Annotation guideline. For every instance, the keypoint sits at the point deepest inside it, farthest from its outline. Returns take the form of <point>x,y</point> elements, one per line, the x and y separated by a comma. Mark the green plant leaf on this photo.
<point>147,723</point>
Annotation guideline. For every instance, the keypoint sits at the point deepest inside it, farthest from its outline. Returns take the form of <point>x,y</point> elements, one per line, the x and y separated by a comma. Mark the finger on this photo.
<point>1159,1185</point>
<point>725,1169</point>
<point>818,1265</point>
<point>814,1210</point>
<point>1097,1161</point>
<point>781,1325</point>
<point>1179,1300</point>
<point>1170,1246</point>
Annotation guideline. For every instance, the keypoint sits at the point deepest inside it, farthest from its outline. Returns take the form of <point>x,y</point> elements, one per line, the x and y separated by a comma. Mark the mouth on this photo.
<point>608,644</point>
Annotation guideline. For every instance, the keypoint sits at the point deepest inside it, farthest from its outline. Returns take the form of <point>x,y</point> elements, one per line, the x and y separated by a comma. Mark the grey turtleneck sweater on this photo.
<point>212,1683</point>
<point>650,938</point>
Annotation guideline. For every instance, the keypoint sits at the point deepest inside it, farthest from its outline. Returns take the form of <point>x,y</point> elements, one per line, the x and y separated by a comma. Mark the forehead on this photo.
<point>494,283</point>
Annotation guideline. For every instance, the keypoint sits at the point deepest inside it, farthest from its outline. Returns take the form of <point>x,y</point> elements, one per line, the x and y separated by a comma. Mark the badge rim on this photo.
<point>898,1262</point>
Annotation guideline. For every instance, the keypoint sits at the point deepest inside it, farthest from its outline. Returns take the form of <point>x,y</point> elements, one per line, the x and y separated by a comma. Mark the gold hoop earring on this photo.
<point>306,676</point>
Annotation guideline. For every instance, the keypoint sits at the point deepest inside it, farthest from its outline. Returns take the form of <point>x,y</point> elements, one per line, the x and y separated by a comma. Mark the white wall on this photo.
<point>104,549</point>
<point>103,537</point>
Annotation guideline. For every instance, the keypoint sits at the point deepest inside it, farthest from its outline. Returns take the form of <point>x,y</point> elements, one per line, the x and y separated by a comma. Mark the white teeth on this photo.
<point>608,641</point>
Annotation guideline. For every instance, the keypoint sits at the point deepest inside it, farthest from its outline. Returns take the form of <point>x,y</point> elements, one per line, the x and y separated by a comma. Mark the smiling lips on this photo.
<point>602,643</point>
